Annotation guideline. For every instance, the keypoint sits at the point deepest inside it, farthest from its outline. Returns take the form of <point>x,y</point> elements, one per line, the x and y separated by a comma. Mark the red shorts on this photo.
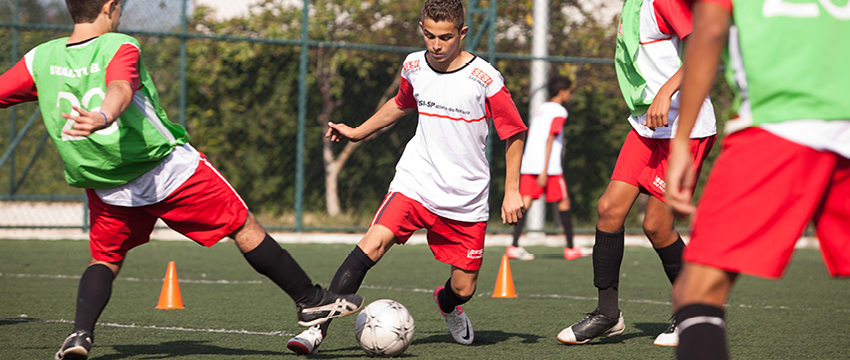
<point>453,242</point>
<point>762,192</point>
<point>205,209</point>
<point>643,162</point>
<point>556,187</point>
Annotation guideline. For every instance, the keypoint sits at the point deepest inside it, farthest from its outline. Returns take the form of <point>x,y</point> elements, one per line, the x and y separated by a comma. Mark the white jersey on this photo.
<point>444,166</point>
<point>548,119</point>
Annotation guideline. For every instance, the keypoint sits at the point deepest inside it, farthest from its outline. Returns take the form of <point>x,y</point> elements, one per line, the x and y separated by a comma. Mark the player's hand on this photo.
<point>86,123</point>
<point>542,180</point>
<point>680,179</point>
<point>656,115</point>
<point>339,132</point>
<point>512,207</point>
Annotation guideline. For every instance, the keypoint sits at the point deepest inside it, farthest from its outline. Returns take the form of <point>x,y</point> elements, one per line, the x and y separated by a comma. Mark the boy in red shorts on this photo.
<point>649,46</point>
<point>102,112</point>
<point>541,170</point>
<point>785,162</point>
<point>442,179</point>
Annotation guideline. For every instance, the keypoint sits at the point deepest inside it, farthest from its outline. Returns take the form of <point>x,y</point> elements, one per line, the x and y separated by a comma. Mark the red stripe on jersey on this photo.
<point>655,41</point>
<point>404,99</point>
<point>673,17</point>
<point>726,4</point>
<point>124,66</point>
<point>452,118</point>
<point>557,125</point>
<point>17,86</point>
<point>505,116</point>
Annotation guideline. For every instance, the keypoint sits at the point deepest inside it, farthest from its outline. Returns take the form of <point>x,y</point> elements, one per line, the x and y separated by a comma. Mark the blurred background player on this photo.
<point>648,58</point>
<point>542,171</point>
<point>442,180</point>
<point>785,162</point>
<point>102,112</point>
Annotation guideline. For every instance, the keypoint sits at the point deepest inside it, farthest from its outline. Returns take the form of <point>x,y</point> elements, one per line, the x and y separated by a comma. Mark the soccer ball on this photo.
<point>384,328</point>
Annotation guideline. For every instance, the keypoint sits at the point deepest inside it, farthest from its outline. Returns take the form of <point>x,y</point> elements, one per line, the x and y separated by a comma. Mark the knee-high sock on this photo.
<point>349,276</point>
<point>518,230</point>
<point>273,261</point>
<point>567,223</point>
<point>92,296</point>
<point>671,258</point>
<point>702,333</point>
<point>607,257</point>
<point>448,300</point>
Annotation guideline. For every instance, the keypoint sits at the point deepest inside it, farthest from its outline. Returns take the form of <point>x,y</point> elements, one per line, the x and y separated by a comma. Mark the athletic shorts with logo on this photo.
<point>643,162</point>
<point>555,189</point>
<point>205,209</point>
<point>453,242</point>
<point>762,192</point>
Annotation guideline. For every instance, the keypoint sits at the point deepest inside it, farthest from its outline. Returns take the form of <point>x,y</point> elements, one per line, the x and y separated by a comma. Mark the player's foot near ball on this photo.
<point>593,326</point>
<point>459,325</point>
<point>75,347</point>
<point>307,342</point>
<point>329,306</point>
<point>669,337</point>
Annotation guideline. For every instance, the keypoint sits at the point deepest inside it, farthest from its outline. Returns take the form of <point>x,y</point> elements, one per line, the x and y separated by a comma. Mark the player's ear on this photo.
<point>109,8</point>
<point>463,32</point>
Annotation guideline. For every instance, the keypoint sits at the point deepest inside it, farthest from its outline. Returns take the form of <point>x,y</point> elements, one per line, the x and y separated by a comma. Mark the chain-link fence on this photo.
<point>255,89</point>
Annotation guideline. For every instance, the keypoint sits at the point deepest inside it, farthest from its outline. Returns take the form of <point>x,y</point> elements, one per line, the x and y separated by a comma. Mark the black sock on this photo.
<point>702,333</point>
<point>671,258</point>
<point>349,276</point>
<point>92,296</point>
<point>448,300</point>
<point>567,223</point>
<point>273,261</point>
<point>518,230</point>
<point>607,257</point>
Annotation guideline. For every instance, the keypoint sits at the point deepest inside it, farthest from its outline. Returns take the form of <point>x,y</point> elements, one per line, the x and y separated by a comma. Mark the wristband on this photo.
<point>105,122</point>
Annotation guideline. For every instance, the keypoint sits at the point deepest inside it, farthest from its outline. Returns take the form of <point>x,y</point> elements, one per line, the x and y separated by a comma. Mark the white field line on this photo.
<point>415,290</point>
<point>154,327</point>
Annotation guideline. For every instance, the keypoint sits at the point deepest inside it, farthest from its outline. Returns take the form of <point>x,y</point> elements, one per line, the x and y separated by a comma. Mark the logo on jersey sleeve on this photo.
<point>481,76</point>
<point>410,65</point>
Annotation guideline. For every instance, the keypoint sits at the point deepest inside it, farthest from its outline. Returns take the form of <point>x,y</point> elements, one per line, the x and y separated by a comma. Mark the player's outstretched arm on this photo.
<point>711,27</point>
<point>512,206</point>
<point>386,116</point>
<point>119,93</point>
<point>17,86</point>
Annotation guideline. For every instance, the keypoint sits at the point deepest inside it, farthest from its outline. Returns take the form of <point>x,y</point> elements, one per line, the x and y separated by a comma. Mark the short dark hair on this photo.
<point>444,10</point>
<point>558,83</point>
<point>84,11</point>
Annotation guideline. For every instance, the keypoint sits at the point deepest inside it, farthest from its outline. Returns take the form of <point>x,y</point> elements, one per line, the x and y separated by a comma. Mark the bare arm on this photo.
<point>711,28</point>
<point>512,207</point>
<point>119,94</point>
<point>543,177</point>
<point>386,116</point>
<point>656,115</point>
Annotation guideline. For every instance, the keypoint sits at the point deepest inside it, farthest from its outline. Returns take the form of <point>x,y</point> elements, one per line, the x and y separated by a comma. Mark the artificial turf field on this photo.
<point>234,313</point>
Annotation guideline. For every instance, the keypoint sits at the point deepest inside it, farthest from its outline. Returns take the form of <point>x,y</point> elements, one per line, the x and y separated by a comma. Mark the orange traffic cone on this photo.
<point>504,281</point>
<point>170,297</point>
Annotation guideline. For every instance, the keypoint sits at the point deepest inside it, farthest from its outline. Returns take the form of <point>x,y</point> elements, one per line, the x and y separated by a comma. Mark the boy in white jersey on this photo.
<point>541,170</point>
<point>102,112</point>
<point>785,161</point>
<point>648,58</point>
<point>442,179</point>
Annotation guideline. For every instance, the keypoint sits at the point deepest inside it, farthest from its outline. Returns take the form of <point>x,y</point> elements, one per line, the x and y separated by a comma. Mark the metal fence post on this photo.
<point>183,25</point>
<point>13,118</point>
<point>302,117</point>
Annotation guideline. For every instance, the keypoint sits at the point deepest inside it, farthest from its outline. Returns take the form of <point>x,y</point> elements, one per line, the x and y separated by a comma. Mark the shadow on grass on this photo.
<point>487,337</point>
<point>173,349</point>
<point>650,330</point>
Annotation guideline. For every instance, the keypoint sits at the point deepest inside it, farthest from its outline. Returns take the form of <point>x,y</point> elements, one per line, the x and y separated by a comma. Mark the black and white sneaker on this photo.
<point>330,306</point>
<point>593,326</point>
<point>75,347</point>
<point>669,337</point>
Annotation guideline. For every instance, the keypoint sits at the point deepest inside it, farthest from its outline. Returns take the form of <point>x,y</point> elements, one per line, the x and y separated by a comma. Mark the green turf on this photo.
<point>805,315</point>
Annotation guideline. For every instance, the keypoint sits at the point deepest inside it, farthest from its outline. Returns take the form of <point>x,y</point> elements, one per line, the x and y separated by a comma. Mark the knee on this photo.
<point>658,232</point>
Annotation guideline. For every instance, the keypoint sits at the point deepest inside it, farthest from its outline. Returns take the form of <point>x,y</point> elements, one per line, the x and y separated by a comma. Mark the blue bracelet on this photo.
<point>105,122</point>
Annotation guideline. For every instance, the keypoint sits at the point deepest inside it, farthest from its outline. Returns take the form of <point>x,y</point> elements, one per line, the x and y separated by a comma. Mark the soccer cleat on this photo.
<point>75,347</point>
<point>307,342</point>
<point>459,325</point>
<point>519,253</point>
<point>669,337</point>
<point>593,326</point>
<point>572,253</point>
<point>330,306</point>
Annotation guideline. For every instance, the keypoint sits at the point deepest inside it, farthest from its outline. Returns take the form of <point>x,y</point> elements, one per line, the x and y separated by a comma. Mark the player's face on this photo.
<point>442,39</point>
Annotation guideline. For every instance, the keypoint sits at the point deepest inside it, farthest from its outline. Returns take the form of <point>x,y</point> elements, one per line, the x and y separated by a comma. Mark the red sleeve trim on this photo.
<point>404,99</point>
<point>557,125</point>
<point>673,17</point>
<point>124,66</point>
<point>726,4</point>
<point>17,86</point>
<point>505,116</point>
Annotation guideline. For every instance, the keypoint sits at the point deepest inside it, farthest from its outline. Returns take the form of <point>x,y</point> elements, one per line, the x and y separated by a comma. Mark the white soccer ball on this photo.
<point>384,328</point>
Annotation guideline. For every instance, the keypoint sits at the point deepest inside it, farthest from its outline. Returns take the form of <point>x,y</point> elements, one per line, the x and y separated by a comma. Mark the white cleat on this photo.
<point>307,342</point>
<point>459,325</point>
